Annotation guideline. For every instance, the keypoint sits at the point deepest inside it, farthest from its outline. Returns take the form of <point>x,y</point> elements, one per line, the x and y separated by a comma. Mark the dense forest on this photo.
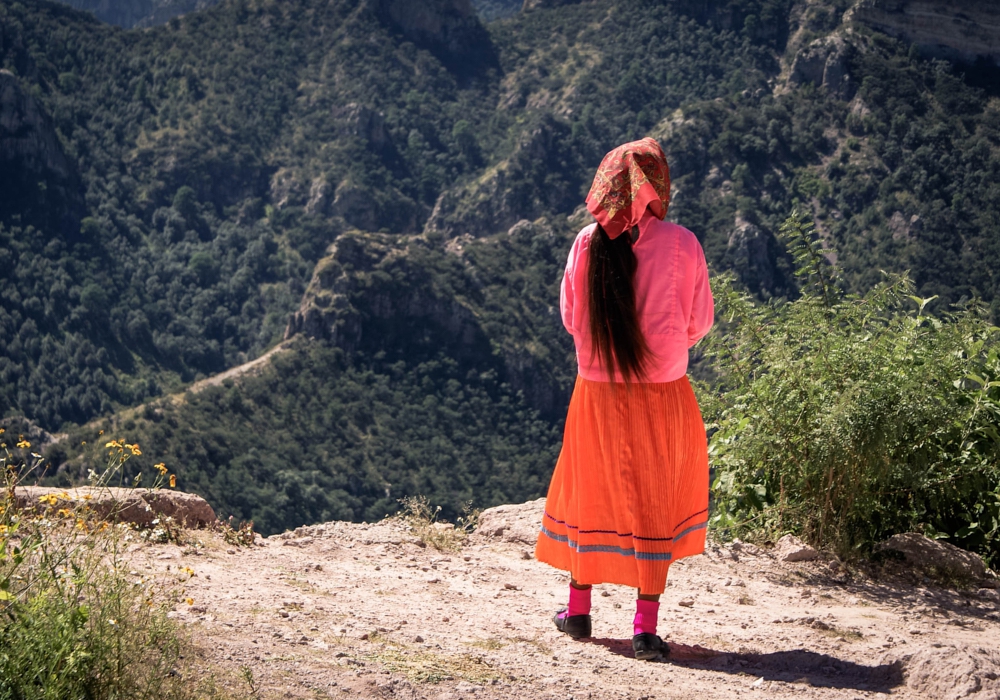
<point>405,191</point>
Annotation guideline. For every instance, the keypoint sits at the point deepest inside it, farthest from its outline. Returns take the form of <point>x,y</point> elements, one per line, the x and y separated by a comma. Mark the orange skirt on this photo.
<point>629,495</point>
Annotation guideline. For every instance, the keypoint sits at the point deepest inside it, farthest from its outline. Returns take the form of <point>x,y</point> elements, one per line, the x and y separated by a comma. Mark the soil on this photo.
<point>364,611</point>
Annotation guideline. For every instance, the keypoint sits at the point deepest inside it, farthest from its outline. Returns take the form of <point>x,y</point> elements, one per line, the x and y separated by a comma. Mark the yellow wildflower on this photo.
<point>188,570</point>
<point>3,529</point>
<point>23,444</point>
<point>100,432</point>
<point>189,601</point>
<point>173,480</point>
<point>111,444</point>
<point>81,525</point>
<point>161,467</point>
<point>49,499</point>
<point>134,448</point>
<point>63,512</point>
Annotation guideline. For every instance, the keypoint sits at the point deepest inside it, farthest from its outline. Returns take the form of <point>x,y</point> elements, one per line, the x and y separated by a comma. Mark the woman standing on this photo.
<point>629,495</point>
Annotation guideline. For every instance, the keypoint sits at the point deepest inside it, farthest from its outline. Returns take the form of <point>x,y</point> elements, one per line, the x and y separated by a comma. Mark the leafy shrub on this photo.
<point>848,418</point>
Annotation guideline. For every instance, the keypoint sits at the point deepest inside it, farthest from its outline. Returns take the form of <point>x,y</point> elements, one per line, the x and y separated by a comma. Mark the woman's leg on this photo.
<point>647,609</point>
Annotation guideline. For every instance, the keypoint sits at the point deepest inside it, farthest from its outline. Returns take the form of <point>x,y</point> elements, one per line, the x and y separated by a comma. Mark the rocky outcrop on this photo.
<point>38,181</point>
<point>515,524</point>
<point>511,191</point>
<point>934,556</point>
<point>138,506</point>
<point>359,121</point>
<point>825,63</point>
<point>450,29</point>
<point>749,254</point>
<point>367,295</point>
<point>963,30</point>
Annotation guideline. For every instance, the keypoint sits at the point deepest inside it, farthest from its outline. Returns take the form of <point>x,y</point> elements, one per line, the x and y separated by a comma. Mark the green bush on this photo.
<point>846,419</point>
<point>74,622</point>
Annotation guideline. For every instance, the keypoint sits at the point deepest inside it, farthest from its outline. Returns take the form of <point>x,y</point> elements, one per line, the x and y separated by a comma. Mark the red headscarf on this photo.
<point>631,178</point>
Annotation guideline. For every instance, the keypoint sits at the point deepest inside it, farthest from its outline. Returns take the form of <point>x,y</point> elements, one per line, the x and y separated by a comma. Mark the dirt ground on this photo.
<point>364,611</point>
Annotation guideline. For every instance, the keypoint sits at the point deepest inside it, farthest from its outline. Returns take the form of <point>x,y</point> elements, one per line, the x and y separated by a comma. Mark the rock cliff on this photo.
<point>963,30</point>
<point>38,181</point>
<point>450,29</point>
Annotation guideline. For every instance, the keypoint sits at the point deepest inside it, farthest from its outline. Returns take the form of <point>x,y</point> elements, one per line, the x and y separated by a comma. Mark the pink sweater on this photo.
<point>672,296</point>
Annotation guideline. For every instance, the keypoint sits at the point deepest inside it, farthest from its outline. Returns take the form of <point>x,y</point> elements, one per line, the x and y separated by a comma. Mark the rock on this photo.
<point>749,248</point>
<point>298,542</point>
<point>320,193</point>
<point>790,548</point>
<point>961,30</point>
<point>449,29</point>
<point>934,556</point>
<point>137,506</point>
<point>361,122</point>
<point>825,63</point>
<point>418,639</point>
<point>285,188</point>
<point>511,523</point>
<point>686,603</point>
<point>947,673</point>
<point>39,183</point>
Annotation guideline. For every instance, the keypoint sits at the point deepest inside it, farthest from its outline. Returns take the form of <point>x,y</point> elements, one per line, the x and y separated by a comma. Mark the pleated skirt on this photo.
<point>629,495</point>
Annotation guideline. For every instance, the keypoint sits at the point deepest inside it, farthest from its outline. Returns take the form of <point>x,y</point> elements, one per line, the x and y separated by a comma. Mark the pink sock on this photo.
<point>579,602</point>
<point>645,616</point>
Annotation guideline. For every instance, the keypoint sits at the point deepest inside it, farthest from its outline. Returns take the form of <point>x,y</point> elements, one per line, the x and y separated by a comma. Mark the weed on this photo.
<point>421,519</point>
<point>240,536</point>
<point>488,644</point>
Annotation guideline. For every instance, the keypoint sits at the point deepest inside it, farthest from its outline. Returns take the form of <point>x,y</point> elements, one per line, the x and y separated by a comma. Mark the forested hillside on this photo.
<point>355,173</point>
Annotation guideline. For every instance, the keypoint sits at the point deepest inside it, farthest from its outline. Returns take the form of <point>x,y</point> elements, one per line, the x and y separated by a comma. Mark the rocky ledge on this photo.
<point>965,30</point>
<point>138,506</point>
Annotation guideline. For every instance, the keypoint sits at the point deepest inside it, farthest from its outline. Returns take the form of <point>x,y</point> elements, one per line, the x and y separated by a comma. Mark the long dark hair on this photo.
<point>614,322</point>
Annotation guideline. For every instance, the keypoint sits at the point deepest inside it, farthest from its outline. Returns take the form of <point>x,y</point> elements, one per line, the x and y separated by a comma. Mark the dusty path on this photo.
<point>343,610</point>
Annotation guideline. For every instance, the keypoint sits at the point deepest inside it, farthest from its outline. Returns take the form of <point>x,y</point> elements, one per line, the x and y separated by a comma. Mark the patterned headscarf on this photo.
<point>631,178</point>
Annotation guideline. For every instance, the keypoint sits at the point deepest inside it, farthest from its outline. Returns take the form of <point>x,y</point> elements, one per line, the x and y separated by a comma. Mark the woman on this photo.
<point>629,495</point>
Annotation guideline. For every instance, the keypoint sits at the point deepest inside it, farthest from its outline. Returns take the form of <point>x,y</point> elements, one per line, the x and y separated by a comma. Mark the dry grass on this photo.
<point>427,667</point>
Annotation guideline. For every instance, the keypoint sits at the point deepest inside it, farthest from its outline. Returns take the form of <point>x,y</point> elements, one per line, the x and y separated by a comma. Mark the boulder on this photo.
<point>138,506</point>
<point>518,524</point>
<point>934,556</point>
<point>791,549</point>
<point>948,673</point>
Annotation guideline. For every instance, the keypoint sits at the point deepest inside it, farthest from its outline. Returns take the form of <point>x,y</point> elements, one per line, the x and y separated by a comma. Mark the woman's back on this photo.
<point>673,299</point>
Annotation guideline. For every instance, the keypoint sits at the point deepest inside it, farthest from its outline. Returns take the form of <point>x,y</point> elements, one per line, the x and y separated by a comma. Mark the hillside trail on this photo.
<point>345,610</point>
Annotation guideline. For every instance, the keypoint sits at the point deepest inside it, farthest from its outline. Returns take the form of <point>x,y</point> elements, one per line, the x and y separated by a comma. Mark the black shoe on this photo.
<point>576,626</point>
<point>648,646</point>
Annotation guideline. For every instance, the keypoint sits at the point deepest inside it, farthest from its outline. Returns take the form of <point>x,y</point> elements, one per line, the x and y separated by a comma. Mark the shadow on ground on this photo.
<point>792,666</point>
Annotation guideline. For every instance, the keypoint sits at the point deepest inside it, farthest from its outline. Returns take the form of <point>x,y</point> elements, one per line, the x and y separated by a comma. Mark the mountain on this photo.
<point>148,13</point>
<point>393,188</point>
